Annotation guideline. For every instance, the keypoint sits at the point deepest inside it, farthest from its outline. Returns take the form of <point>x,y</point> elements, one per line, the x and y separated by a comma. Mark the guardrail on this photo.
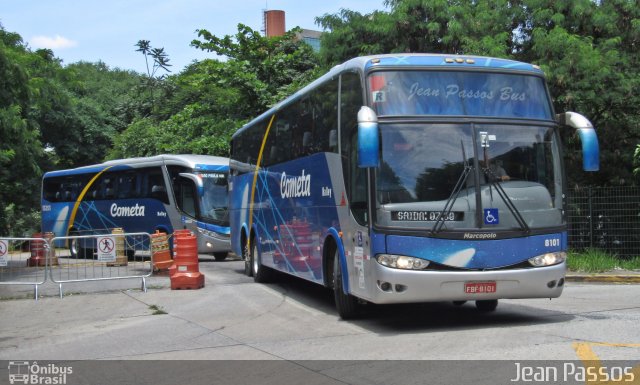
<point>98,257</point>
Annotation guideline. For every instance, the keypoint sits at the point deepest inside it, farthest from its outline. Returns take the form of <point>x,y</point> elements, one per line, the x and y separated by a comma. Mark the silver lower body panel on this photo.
<point>431,286</point>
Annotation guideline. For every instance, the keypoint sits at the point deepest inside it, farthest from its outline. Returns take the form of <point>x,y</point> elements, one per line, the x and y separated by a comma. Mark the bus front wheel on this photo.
<point>220,256</point>
<point>487,305</point>
<point>75,249</point>
<point>347,305</point>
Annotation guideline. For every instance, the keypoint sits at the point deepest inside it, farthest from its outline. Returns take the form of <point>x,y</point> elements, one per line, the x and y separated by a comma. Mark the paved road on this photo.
<point>234,318</point>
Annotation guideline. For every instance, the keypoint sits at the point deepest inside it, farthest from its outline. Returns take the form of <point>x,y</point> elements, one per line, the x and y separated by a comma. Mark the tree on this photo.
<point>20,149</point>
<point>210,99</point>
<point>274,67</point>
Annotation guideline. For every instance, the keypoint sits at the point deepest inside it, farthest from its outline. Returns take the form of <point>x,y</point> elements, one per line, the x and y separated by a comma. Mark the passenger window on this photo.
<point>155,186</point>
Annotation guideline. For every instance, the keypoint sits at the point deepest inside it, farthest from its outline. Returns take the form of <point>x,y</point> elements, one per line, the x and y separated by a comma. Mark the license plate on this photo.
<point>480,287</point>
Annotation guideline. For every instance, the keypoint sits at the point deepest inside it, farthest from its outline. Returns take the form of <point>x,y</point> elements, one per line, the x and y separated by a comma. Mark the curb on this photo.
<point>604,278</point>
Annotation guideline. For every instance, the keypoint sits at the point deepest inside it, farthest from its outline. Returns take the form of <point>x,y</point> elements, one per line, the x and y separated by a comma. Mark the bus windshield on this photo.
<point>214,200</point>
<point>421,164</point>
<point>459,93</point>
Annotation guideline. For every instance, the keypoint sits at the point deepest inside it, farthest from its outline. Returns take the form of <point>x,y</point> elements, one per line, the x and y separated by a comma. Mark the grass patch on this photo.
<point>598,261</point>
<point>157,310</point>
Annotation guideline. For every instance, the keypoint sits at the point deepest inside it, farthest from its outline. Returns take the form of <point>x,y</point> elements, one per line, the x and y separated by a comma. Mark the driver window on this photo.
<point>355,177</point>
<point>186,196</point>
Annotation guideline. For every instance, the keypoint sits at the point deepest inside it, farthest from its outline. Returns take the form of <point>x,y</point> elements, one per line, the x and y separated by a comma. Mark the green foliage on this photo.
<point>20,148</point>
<point>267,68</point>
<point>598,261</point>
<point>158,56</point>
<point>203,105</point>
<point>20,222</point>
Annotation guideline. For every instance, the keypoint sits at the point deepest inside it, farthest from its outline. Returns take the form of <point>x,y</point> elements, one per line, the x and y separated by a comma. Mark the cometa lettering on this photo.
<point>295,186</point>
<point>131,211</point>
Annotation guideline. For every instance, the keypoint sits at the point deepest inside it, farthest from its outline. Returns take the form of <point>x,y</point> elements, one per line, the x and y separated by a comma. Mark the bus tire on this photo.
<point>261,273</point>
<point>247,260</point>
<point>76,250</point>
<point>347,305</point>
<point>487,306</point>
<point>220,256</point>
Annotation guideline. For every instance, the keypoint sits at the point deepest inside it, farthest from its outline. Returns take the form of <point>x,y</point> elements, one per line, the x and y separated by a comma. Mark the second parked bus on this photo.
<point>164,193</point>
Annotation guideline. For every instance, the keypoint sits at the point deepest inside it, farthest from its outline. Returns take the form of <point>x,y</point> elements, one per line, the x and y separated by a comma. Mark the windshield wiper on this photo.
<point>462,180</point>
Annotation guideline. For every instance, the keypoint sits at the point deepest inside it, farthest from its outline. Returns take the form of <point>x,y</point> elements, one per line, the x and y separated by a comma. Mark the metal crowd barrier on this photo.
<point>23,261</point>
<point>100,257</point>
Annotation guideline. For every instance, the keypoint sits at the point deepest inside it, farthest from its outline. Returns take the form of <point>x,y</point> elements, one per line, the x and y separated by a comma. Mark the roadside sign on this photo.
<point>4,249</point>
<point>106,248</point>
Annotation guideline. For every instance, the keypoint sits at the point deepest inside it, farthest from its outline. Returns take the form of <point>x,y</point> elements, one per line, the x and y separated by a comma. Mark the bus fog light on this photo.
<point>385,286</point>
<point>548,259</point>
<point>402,262</point>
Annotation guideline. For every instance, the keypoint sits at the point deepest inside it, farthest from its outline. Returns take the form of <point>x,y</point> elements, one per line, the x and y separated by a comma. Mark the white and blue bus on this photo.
<point>409,178</point>
<point>164,193</point>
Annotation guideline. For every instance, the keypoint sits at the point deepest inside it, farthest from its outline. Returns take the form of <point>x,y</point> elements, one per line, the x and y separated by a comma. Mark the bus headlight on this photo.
<point>548,259</point>
<point>402,262</point>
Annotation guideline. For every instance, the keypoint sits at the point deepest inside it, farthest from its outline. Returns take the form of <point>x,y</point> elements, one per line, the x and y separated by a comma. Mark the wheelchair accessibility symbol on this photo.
<point>491,217</point>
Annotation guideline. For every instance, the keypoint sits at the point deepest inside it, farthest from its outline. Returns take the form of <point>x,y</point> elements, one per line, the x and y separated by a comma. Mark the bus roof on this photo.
<point>196,162</point>
<point>407,61</point>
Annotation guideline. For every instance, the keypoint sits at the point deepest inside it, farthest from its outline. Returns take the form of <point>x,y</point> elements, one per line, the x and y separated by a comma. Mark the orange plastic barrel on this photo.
<point>177,234</point>
<point>185,272</point>
<point>38,250</point>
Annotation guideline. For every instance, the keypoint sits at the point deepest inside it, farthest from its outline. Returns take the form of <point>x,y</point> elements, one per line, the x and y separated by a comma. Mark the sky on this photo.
<point>107,30</point>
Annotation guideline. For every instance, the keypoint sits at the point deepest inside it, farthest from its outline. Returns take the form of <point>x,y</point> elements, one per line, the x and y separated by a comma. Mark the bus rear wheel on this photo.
<point>347,305</point>
<point>247,260</point>
<point>261,273</point>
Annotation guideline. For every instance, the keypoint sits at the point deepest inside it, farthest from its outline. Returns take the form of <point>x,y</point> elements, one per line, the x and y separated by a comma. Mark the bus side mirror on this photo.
<point>368,138</point>
<point>588,137</point>
<point>195,179</point>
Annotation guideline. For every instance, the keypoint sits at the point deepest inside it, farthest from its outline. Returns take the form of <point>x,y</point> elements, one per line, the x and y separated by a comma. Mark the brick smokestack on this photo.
<point>274,24</point>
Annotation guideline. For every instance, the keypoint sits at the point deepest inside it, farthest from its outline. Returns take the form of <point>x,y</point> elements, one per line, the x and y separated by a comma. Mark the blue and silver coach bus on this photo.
<point>409,178</point>
<point>163,193</point>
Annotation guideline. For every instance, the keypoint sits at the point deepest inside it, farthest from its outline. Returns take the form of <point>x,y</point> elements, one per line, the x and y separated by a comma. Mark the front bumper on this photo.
<point>428,286</point>
<point>213,244</point>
